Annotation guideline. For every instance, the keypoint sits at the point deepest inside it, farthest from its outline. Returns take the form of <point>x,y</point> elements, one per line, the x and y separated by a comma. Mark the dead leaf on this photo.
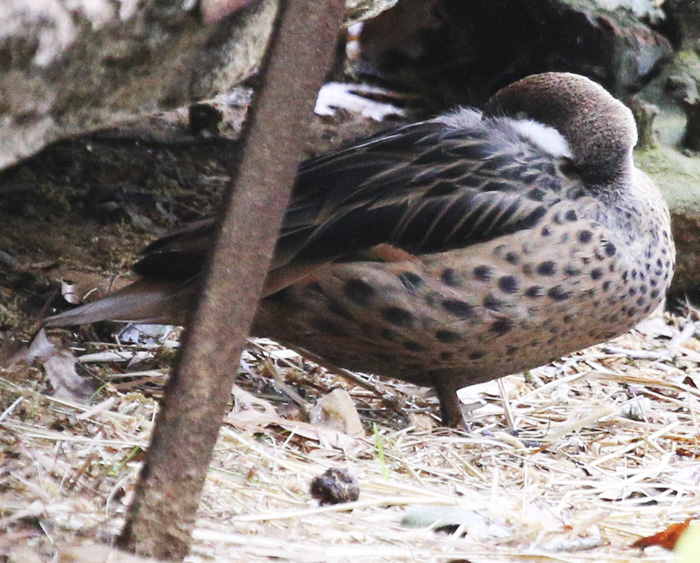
<point>59,364</point>
<point>666,539</point>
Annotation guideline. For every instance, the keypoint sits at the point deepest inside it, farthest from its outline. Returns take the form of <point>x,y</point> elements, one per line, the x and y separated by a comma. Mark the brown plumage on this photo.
<point>452,251</point>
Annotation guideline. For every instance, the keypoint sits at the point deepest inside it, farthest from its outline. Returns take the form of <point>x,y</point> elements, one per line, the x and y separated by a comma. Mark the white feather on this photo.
<point>545,137</point>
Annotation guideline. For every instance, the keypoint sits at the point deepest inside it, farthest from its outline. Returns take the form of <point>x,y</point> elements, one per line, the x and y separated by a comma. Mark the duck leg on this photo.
<point>446,386</point>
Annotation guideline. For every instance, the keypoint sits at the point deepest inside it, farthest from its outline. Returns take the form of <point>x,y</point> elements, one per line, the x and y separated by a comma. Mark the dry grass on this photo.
<point>605,451</point>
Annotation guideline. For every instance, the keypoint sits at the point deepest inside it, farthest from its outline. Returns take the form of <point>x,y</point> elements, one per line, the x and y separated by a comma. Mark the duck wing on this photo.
<point>422,189</point>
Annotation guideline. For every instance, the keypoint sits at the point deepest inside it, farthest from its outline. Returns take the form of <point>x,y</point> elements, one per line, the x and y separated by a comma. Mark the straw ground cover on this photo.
<point>603,449</point>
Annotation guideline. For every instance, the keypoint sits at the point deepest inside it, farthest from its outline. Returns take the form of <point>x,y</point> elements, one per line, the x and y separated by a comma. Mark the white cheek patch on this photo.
<point>547,138</point>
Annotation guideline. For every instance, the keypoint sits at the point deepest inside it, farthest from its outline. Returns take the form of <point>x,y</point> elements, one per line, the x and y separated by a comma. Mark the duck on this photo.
<point>449,252</point>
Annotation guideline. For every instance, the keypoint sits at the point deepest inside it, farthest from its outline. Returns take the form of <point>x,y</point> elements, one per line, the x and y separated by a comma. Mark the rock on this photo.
<point>678,176</point>
<point>684,21</point>
<point>462,52</point>
<point>73,67</point>
<point>337,410</point>
<point>69,70</point>
<point>449,518</point>
<point>644,114</point>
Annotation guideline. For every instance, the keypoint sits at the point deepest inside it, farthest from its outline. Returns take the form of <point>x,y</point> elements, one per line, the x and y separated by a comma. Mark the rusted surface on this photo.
<point>162,515</point>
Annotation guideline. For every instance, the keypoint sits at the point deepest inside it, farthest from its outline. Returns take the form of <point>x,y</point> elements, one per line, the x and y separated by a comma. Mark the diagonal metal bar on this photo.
<point>162,514</point>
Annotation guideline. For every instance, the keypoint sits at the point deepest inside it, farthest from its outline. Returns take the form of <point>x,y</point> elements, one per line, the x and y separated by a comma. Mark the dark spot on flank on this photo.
<point>572,270</point>
<point>610,249</point>
<point>358,291</point>
<point>397,316</point>
<point>571,215</point>
<point>606,285</point>
<point>585,236</point>
<point>512,350</point>
<point>483,273</point>
<point>596,274</point>
<point>625,276</point>
<point>512,258</point>
<point>558,293</point>
<point>568,319</point>
<point>508,284</point>
<point>641,301</point>
<point>457,308</point>
<point>327,327</point>
<point>448,336</point>
<point>476,355</point>
<point>493,303</point>
<point>534,291</point>
<point>410,281</point>
<point>446,356</point>
<point>449,278</point>
<point>632,291</point>
<point>501,326</point>
<point>632,312</point>
<point>647,309</point>
<point>654,293</point>
<point>413,346</point>
<point>546,268</point>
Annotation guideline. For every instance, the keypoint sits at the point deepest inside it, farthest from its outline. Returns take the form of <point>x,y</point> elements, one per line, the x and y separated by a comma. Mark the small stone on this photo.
<point>336,410</point>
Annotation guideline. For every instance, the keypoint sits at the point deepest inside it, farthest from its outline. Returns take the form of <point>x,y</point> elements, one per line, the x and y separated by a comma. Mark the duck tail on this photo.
<point>143,301</point>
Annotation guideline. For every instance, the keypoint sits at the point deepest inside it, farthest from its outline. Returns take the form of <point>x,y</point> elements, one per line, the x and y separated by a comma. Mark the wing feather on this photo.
<point>424,188</point>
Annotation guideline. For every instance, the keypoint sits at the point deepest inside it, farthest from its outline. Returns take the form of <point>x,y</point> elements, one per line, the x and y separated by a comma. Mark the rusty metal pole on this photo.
<point>161,517</point>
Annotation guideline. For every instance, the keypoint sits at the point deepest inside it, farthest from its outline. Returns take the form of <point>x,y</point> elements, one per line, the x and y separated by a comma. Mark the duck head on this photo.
<point>599,129</point>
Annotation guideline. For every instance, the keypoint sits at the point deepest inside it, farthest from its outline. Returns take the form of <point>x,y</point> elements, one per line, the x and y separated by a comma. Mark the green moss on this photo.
<point>677,175</point>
